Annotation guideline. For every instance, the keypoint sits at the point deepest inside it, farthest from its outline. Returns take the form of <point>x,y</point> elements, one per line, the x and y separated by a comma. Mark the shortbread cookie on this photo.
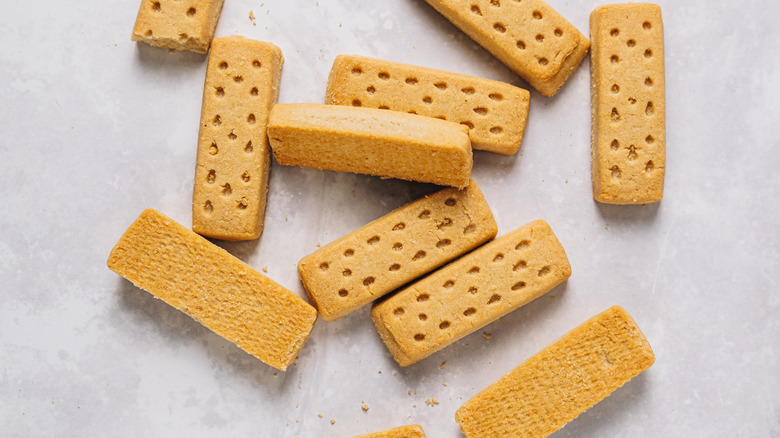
<point>560,382</point>
<point>628,141</point>
<point>219,291</point>
<point>471,292</point>
<point>529,36</point>
<point>231,176</point>
<point>395,249</point>
<point>177,24</point>
<point>495,112</point>
<point>413,431</point>
<point>371,141</point>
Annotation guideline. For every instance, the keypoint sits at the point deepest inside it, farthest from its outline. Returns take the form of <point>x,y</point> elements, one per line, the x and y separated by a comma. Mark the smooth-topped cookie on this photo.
<point>371,141</point>
<point>560,382</point>
<point>471,292</point>
<point>177,24</point>
<point>395,249</point>
<point>495,112</point>
<point>628,100</point>
<point>528,36</point>
<point>216,289</point>
<point>231,174</point>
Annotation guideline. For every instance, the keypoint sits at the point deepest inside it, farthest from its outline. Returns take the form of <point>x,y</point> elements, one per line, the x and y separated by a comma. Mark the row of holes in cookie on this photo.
<point>615,114</point>
<point>214,148</point>
<point>412,80</point>
<point>220,91</point>
<point>157,7</point>
<point>521,44</point>
<point>241,204</point>
<point>469,311</point>
<point>617,173</point>
<point>217,121</point>
<point>427,99</point>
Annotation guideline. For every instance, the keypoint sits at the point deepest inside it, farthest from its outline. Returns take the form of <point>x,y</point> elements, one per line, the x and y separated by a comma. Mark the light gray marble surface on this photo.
<point>95,128</point>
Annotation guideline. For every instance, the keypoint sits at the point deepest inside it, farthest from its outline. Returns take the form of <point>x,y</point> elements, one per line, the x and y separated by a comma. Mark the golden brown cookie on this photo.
<point>495,112</point>
<point>177,24</point>
<point>528,36</point>
<point>395,249</point>
<point>371,141</point>
<point>216,289</point>
<point>628,140</point>
<point>231,175</point>
<point>471,292</point>
<point>413,431</point>
<point>560,382</point>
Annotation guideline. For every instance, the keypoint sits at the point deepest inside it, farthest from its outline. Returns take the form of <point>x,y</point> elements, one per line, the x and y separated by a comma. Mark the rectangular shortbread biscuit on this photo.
<point>177,24</point>
<point>560,382</point>
<point>628,140</point>
<point>395,249</point>
<point>471,292</point>
<point>528,36</point>
<point>495,112</point>
<point>231,175</point>
<point>216,289</point>
<point>413,431</point>
<point>371,141</point>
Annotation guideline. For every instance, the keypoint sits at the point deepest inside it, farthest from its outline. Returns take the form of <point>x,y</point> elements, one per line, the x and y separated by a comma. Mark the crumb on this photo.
<point>443,364</point>
<point>380,371</point>
<point>431,401</point>
<point>552,297</point>
<point>319,415</point>
<point>276,374</point>
<point>364,407</point>
<point>332,421</point>
<point>297,420</point>
<point>339,24</point>
<point>297,405</point>
<point>606,227</point>
<point>395,373</point>
<point>285,218</point>
<point>299,384</point>
<point>443,383</point>
<point>567,180</point>
<point>486,335</point>
<point>265,268</point>
<point>409,392</point>
<point>318,245</point>
<point>251,15</point>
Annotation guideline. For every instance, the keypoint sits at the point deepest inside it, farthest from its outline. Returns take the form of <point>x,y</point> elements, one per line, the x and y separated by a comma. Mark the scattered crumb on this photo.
<point>297,420</point>
<point>395,373</point>
<point>251,15</point>
<point>443,383</point>
<point>364,407</point>
<point>409,392</point>
<point>567,180</point>
<point>443,364</point>
<point>339,24</point>
<point>276,374</point>
<point>486,335</point>
<point>606,227</point>
<point>319,415</point>
<point>332,421</point>
<point>318,244</point>
<point>431,401</point>
<point>299,384</point>
<point>380,371</point>
<point>285,219</point>
<point>552,297</point>
<point>265,268</point>
<point>297,405</point>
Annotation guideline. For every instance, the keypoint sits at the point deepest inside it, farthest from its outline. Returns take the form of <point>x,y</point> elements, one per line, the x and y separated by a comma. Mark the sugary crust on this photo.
<point>177,24</point>
<point>495,112</point>
<point>216,289</point>
<point>395,249</point>
<point>471,292</point>
<point>628,141</point>
<point>413,431</point>
<point>371,141</point>
<point>231,175</point>
<point>560,382</point>
<point>529,37</point>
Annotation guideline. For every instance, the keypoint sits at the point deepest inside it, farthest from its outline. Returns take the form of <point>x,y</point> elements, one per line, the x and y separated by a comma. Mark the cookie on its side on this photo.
<point>177,24</point>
